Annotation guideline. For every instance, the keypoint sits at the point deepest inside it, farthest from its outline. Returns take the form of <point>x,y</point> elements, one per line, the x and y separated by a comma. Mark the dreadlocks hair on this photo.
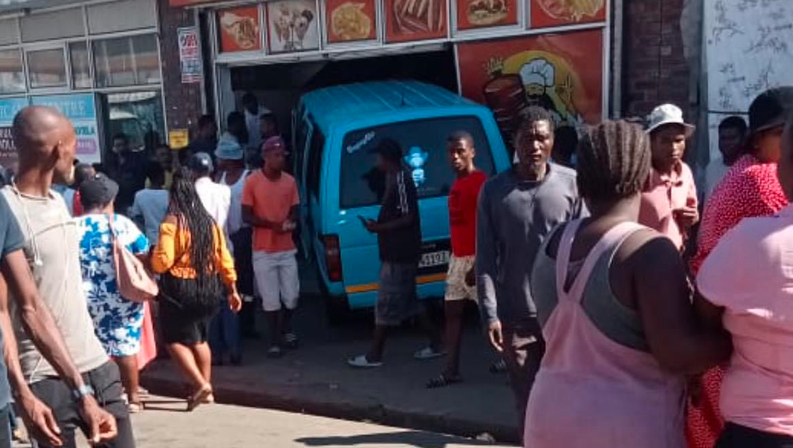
<point>613,161</point>
<point>190,212</point>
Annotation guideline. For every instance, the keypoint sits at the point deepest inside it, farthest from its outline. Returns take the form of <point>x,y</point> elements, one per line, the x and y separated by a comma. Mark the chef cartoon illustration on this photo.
<point>539,79</point>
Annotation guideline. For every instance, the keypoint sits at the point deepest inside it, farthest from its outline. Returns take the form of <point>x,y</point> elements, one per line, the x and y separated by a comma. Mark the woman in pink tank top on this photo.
<point>615,307</point>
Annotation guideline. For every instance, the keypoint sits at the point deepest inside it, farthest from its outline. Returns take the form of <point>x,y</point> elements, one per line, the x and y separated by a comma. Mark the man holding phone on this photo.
<point>398,230</point>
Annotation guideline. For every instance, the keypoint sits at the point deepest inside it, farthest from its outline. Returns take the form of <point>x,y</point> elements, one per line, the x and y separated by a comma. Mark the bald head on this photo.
<point>45,140</point>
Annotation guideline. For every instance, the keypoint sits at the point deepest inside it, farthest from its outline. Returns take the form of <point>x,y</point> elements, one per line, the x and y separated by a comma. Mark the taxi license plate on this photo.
<point>433,259</point>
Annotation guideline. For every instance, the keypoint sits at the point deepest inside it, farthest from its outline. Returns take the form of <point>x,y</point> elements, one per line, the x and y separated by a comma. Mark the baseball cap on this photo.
<point>273,143</point>
<point>668,114</point>
<point>200,163</point>
<point>98,190</point>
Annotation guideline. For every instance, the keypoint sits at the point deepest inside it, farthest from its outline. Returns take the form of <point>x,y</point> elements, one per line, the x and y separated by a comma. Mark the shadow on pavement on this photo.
<point>417,439</point>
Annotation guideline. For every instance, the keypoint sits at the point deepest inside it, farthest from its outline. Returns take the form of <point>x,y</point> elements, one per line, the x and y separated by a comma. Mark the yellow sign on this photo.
<point>178,138</point>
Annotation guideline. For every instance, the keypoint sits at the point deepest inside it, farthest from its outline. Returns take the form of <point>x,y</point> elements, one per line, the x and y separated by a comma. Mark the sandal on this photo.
<point>210,399</point>
<point>361,362</point>
<point>135,408</point>
<point>428,353</point>
<point>291,341</point>
<point>199,397</point>
<point>275,352</point>
<point>444,380</point>
<point>499,366</point>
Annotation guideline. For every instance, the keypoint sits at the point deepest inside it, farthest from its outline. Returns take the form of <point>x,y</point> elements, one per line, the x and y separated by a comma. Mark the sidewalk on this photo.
<point>316,380</point>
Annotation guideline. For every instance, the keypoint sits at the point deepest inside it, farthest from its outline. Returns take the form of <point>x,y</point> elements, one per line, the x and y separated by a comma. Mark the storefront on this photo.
<point>97,62</point>
<point>507,54</point>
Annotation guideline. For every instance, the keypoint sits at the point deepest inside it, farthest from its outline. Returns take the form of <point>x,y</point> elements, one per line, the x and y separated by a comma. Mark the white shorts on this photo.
<point>456,288</point>
<point>277,279</point>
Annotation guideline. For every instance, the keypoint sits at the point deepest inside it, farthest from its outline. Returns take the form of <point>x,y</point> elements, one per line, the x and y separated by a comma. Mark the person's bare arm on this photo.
<point>37,416</point>
<point>40,326</point>
<point>251,219</point>
<point>394,224</point>
<point>676,337</point>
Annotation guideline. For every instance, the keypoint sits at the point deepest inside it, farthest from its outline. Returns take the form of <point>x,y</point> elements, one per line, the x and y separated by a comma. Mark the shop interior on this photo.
<point>278,87</point>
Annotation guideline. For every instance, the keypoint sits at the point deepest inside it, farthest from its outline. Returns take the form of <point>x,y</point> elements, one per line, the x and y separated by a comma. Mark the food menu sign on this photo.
<point>411,20</point>
<point>351,20</point>
<point>80,110</point>
<point>547,13</point>
<point>476,14</point>
<point>292,25</point>
<point>559,72</point>
<point>240,29</point>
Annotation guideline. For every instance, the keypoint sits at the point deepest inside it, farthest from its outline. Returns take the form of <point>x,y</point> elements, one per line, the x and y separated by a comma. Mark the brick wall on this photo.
<point>182,101</point>
<point>654,68</point>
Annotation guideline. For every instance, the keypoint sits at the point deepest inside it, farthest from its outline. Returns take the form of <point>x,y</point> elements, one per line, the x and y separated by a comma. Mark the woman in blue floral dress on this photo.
<point>117,321</point>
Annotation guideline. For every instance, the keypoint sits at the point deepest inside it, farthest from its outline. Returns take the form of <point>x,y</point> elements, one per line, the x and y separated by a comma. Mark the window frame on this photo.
<point>27,50</point>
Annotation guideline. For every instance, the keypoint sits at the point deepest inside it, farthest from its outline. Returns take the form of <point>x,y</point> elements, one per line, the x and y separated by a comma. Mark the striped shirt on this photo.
<point>401,245</point>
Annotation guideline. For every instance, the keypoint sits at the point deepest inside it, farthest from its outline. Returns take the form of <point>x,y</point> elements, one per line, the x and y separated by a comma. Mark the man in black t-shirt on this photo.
<point>398,230</point>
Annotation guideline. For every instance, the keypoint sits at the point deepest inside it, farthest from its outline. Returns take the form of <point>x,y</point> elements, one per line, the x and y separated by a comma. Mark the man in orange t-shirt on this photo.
<point>270,205</point>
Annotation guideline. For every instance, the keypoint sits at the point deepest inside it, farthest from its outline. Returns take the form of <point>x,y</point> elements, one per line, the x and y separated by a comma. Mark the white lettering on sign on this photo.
<point>355,147</point>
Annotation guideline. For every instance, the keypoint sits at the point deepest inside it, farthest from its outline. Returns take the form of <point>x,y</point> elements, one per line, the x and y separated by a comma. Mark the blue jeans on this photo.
<point>224,332</point>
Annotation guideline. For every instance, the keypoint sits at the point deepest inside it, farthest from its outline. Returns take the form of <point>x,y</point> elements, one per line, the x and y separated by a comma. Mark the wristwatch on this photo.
<point>82,391</point>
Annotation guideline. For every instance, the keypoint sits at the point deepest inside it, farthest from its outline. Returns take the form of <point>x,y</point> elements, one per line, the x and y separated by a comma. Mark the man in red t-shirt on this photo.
<point>460,280</point>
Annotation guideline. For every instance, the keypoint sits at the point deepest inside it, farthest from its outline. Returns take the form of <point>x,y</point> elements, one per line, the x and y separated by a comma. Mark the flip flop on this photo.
<point>134,408</point>
<point>360,362</point>
<point>428,353</point>
<point>499,366</point>
<point>198,398</point>
<point>444,380</point>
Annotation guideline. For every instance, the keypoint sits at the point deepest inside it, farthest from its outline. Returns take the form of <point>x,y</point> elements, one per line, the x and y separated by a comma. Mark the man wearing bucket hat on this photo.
<point>669,201</point>
<point>749,189</point>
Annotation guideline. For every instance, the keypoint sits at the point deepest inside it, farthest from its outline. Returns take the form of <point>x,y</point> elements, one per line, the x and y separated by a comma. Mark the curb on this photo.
<point>375,413</point>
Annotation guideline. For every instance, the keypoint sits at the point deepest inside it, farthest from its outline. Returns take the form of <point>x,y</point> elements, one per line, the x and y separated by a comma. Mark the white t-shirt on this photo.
<point>253,123</point>
<point>217,201</point>
<point>152,205</point>
<point>235,212</point>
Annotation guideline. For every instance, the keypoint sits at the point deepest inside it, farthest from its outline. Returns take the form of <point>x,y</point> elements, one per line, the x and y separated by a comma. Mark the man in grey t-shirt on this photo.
<point>46,144</point>
<point>517,210</point>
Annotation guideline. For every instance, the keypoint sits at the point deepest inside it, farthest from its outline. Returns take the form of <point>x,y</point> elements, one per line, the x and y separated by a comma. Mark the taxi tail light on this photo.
<point>332,257</point>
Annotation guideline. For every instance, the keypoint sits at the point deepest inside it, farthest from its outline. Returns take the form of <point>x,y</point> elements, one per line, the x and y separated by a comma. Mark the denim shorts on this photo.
<point>397,299</point>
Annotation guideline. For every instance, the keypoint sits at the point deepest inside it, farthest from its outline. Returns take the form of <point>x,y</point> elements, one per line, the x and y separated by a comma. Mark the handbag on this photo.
<point>134,281</point>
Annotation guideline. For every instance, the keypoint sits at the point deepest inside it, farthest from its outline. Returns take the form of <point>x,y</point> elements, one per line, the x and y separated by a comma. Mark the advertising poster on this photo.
<point>240,29</point>
<point>8,110</point>
<point>191,2</point>
<point>292,25</point>
<point>560,72</point>
<point>476,14</point>
<point>545,13</point>
<point>189,55</point>
<point>351,20</point>
<point>80,110</point>
<point>411,20</point>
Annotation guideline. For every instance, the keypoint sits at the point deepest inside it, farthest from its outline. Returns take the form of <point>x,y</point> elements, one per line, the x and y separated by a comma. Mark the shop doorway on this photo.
<point>279,86</point>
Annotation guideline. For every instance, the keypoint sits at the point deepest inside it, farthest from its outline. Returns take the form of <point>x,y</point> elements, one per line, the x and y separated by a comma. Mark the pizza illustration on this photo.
<point>572,10</point>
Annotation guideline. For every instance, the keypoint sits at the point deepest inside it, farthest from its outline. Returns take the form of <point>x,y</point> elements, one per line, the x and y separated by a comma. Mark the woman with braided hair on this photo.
<point>195,266</point>
<point>615,309</point>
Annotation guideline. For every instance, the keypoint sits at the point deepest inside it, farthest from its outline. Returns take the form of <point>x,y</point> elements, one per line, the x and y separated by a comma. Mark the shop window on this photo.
<point>46,68</point>
<point>138,115</point>
<point>122,15</point>
<point>81,70</point>
<point>424,145</point>
<point>9,32</point>
<point>53,25</point>
<point>126,61</point>
<point>12,76</point>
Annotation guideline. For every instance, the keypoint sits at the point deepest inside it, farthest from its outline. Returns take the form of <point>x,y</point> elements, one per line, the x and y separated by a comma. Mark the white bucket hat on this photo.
<point>668,114</point>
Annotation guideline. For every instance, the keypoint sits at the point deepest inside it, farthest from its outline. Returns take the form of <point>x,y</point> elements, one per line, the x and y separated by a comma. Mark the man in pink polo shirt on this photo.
<point>669,200</point>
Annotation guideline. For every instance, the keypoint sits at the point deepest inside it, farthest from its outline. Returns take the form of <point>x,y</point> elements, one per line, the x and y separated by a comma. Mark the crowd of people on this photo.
<point>626,313</point>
